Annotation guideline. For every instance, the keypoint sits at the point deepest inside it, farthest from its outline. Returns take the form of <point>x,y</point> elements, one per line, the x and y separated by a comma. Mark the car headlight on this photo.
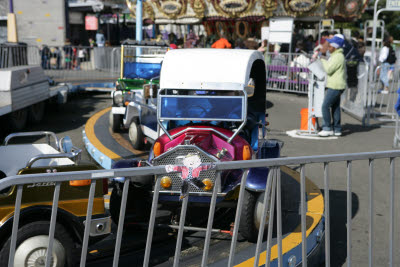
<point>166,182</point>
<point>118,99</point>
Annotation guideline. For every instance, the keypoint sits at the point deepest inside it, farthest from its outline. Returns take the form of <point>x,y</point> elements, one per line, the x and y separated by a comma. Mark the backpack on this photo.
<point>391,59</point>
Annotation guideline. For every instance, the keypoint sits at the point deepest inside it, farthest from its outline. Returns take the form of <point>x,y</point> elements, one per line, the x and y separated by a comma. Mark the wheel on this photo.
<point>138,204</point>
<point>31,246</point>
<point>250,217</point>
<point>136,135</point>
<point>115,122</point>
<point>36,112</point>
<point>18,119</point>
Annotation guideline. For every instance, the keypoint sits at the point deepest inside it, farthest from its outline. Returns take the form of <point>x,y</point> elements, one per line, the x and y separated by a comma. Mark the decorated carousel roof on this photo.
<point>195,11</point>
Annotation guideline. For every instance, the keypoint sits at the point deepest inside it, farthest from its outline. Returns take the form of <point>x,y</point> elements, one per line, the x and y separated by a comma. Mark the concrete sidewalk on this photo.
<point>284,114</point>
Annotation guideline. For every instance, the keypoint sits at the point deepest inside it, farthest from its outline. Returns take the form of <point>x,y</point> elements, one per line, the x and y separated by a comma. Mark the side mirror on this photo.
<point>66,144</point>
<point>250,88</point>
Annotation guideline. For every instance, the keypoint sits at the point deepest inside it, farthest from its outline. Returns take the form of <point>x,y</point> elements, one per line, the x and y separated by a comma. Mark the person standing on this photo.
<point>91,43</point>
<point>387,57</point>
<point>68,54</point>
<point>222,43</point>
<point>335,69</point>
<point>100,39</point>
<point>57,57</point>
<point>251,43</point>
<point>45,53</point>
<point>81,56</point>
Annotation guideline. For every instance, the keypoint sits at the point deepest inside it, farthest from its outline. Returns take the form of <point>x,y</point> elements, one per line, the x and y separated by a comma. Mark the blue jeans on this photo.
<point>384,74</point>
<point>331,101</point>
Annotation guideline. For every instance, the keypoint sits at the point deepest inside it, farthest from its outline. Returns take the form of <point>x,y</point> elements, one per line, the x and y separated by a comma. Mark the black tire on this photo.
<point>37,229</point>
<point>248,227</point>
<point>138,204</point>
<point>115,122</point>
<point>18,119</point>
<point>136,135</point>
<point>36,112</point>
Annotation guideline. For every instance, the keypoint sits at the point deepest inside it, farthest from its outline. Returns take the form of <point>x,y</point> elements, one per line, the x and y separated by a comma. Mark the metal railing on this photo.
<point>79,63</point>
<point>396,138</point>
<point>116,60</point>
<point>274,183</point>
<point>383,102</point>
<point>354,99</point>
<point>380,104</point>
<point>65,64</point>
<point>18,55</point>
<point>287,72</point>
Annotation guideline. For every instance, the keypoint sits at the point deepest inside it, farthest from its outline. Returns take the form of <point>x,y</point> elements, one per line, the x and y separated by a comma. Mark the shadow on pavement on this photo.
<point>338,222</point>
<point>60,118</point>
<point>348,128</point>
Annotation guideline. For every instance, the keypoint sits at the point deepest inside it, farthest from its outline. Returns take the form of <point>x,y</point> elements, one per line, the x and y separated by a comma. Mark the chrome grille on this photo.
<point>169,158</point>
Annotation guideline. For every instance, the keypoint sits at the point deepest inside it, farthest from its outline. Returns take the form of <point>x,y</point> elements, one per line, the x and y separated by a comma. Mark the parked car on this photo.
<point>211,108</point>
<point>134,100</point>
<point>37,199</point>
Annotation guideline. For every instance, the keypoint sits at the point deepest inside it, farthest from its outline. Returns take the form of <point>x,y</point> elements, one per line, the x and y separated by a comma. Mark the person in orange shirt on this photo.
<point>221,43</point>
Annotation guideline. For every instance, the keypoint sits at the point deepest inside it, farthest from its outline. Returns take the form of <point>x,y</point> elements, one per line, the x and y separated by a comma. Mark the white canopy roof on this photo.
<point>224,69</point>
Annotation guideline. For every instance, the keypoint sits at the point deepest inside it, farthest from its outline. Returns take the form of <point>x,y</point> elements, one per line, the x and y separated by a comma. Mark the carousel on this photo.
<point>243,18</point>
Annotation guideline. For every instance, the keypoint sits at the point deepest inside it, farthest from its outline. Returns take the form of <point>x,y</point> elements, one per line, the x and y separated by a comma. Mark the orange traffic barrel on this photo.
<point>304,119</point>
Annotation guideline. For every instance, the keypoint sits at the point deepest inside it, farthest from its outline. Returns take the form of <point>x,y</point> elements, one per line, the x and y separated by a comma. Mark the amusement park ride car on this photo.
<point>211,107</point>
<point>136,90</point>
<point>37,200</point>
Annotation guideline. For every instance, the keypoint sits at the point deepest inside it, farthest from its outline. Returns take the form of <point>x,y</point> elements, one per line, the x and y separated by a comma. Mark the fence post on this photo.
<point>237,218</point>
<point>14,233</point>
<point>53,221</point>
<point>210,219</point>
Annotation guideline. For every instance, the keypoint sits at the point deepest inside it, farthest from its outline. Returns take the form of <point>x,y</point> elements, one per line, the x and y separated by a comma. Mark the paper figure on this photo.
<point>190,172</point>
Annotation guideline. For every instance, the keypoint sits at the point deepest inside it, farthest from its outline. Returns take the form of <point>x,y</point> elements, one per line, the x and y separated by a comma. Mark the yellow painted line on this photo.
<point>315,211</point>
<point>89,130</point>
<point>127,145</point>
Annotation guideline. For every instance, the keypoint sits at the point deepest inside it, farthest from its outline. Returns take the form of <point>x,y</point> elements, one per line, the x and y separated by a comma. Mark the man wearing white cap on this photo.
<point>335,85</point>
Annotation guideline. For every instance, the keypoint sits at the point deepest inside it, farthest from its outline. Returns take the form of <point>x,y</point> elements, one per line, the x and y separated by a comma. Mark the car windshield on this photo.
<point>203,108</point>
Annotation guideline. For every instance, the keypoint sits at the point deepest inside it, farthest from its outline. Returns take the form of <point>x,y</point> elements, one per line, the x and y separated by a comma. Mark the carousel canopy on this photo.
<point>196,11</point>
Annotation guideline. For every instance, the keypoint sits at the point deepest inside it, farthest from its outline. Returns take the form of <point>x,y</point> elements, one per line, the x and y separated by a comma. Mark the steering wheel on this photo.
<point>196,109</point>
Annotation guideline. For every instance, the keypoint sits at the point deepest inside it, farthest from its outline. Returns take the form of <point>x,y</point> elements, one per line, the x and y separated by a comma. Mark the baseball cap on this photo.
<point>336,41</point>
<point>341,36</point>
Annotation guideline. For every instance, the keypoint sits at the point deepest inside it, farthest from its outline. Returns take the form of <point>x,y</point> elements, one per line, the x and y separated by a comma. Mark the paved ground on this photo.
<point>284,114</point>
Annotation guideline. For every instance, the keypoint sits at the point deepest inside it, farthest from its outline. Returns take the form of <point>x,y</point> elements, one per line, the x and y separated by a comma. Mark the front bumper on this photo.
<point>100,226</point>
<point>118,110</point>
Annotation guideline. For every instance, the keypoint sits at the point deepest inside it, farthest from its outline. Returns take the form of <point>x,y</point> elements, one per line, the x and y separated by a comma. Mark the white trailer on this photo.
<point>23,93</point>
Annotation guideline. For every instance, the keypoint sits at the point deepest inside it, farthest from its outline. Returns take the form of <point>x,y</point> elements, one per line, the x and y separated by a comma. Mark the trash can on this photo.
<point>13,54</point>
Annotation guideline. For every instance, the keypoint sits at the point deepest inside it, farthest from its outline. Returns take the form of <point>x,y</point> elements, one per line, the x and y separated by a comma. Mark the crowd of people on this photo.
<point>340,58</point>
<point>67,57</point>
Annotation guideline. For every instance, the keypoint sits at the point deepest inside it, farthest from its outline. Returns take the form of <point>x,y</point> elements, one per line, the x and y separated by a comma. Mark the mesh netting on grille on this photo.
<point>169,158</point>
